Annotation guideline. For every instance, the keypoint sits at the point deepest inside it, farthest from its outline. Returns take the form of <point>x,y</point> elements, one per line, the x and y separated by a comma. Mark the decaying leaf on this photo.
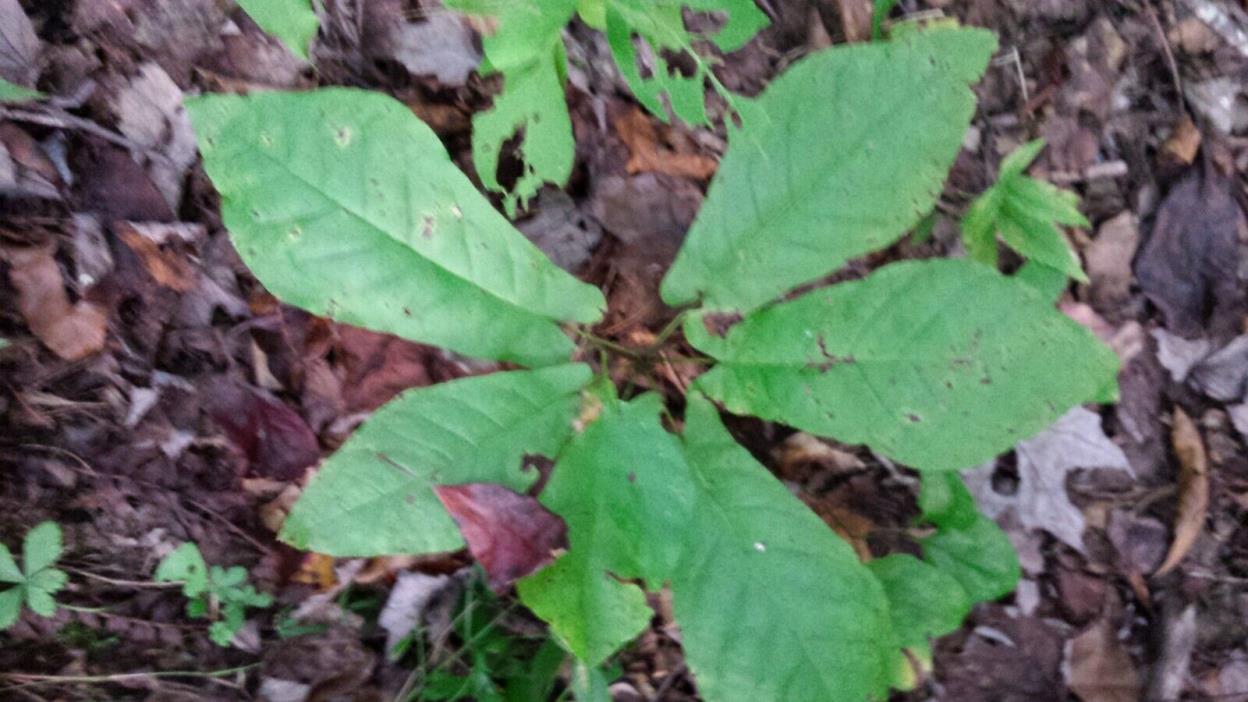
<point>1075,441</point>
<point>1193,489</point>
<point>150,113</point>
<point>647,154</point>
<point>405,607</point>
<point>273,437</point>
<point>1189,266</point>
<point>71,331</point>
<point>511,535</point>
<point>1099,667</point>
<point>19,45</point>
<point>165,267</point>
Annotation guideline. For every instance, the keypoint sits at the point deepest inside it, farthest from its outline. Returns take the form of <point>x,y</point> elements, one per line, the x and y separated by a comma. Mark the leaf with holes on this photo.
<point>660,24</point>
<point>900,362</point>
<point>526,49</point>
<point>375,496</point>
<point>343,203</point>
<point>844,153</point>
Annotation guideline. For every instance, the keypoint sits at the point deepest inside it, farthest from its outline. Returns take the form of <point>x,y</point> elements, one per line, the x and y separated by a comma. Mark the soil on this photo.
<point>154,393</point>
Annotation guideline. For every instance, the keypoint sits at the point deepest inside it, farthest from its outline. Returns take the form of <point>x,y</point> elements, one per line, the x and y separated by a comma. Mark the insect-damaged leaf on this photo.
<point>527,49</point>
<point>661,24</point>
<point>901,362</point>
<point>626,518</point>
<point>375,495</point>
<point>842,154</point>
<point>771,604</point>
<point>343,203</point>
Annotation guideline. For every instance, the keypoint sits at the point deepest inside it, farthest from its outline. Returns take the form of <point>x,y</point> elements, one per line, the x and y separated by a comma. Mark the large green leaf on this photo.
<point>292,21</point>
<point>623,488</point>
<point>939,364</point>
<point>343,203</point>
<point>375,495</point>
<point>771,604</point>
<point>11,606</point>
<point>527,49</point>
<point>842,154</point>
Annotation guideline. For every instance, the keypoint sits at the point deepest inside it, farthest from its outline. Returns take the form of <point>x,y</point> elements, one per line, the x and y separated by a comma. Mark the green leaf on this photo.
<point>626,518</point>
<point>12,92</point>
<point>294,22</point>
<point>945,501</point>
<point>842,155</point>
<point>40,602</point>
<point>343,203</point>
<point>591,612</point>
<point>9,572</point>
<point>48,580</point>
<point>980,557</point>
<point>924,602</point>
<point>1046,280</point>
<point>878,15</point>
<point>901,362</point>
<point>772,605</point>
<point>375,497</point>
<point>661,24</point>
<point>527,49</point>
<point>41,548</point>
<point>10,606</point>
<point>1025,212</point>
<point>185,564</point>
<point>589,683</point>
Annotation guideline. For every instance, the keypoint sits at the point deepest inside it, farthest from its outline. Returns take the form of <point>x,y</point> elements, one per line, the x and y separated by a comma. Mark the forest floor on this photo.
<point>153,393</point>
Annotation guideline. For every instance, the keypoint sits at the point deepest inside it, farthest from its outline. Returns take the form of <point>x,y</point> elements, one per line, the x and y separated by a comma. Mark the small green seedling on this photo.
<point>344,204</point>
<point>36,582</point>
<point>217,593</point>
<point>1025,213</point>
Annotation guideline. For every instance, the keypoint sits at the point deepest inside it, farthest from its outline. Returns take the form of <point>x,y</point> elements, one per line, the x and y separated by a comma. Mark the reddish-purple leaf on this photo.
<point>275,439</point>
<point>511,535</point>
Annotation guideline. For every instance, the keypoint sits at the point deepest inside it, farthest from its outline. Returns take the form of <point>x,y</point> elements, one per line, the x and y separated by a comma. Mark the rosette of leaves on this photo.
<point>221,594</point>
<point>36,582</point>
<point>344,204</point>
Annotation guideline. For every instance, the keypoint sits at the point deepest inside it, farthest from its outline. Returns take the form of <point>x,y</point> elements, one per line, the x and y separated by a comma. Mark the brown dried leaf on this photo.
<point>855,19</point>
<point>511,535</point>
<point>1193,489</point>
<point>19,45</point>
<point>166,267</point>
<point>648,155</point>
<point>1189,267</point>
<point>1101,670</point>
<point>72,331</point>
<point>1184,143</point>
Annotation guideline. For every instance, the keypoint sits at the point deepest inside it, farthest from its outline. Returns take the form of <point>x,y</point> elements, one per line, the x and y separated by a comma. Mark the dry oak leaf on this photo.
<point>1193,489</point>
<point>648,155</point>
<point>71,331</point>
<point>1100,669</point>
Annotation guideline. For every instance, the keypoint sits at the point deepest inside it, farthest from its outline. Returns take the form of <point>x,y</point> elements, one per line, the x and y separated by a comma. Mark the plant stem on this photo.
<point>32,679</point>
